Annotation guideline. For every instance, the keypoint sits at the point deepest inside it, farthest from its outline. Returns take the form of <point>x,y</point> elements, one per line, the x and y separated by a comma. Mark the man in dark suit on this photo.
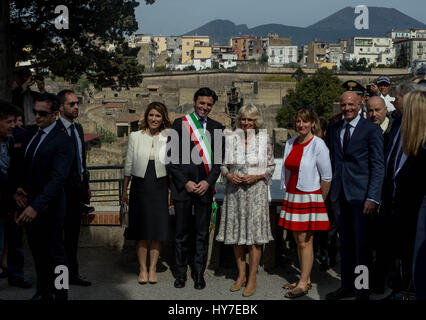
<point>77,189</point>
<point>47,161</point>
<point>356,148</point>
<point>193,179</point>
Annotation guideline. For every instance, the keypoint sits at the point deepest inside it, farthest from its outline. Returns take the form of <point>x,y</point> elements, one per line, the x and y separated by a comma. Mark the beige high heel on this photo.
<point>237,287</point>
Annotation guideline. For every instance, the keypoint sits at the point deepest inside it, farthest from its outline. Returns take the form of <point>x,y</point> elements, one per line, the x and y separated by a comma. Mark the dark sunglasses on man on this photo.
<point>73,103</point>
<point>41,113</point>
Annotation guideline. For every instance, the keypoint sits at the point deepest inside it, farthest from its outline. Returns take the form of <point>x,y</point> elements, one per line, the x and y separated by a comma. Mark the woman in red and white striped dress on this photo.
<point>306,177</point>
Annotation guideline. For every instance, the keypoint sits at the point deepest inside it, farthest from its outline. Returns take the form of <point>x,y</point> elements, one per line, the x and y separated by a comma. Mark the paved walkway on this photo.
<point>114,277</point>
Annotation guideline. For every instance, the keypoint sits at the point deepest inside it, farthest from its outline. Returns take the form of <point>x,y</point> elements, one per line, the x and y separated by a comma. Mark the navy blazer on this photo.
<point>182,173</point>
<point>360,171</point>
<point>85,182</point>
<point>45,177</point>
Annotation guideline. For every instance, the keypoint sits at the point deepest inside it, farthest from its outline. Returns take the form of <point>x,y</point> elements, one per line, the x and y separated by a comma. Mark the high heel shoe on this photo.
<point>237,287</point>
<point>248,293</point>
<point>142,278</point>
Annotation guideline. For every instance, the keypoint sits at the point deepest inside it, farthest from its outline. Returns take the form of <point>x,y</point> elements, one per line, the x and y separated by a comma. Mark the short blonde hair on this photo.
<point>413,126</point>
<point>250,110</point>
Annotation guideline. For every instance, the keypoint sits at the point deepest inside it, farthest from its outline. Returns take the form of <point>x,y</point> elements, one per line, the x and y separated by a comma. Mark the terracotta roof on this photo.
<point>91,136</point>
<point>129,117</point>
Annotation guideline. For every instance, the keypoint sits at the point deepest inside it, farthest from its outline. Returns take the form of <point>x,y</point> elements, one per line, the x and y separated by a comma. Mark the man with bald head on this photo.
<point>377,113</point>
<point>356,150</point>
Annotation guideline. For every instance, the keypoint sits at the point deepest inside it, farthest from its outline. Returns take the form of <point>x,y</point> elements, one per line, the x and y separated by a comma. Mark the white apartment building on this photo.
<point>415,49</point>
<point>406,34</point>
<point>374,49</point>
<point>280,55</point>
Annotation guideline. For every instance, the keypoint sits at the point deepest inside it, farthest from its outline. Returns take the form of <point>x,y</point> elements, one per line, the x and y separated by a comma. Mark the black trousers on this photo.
<point>45,238</point>
<point>353,228</point>
<point>15,252</point>
<point>192,234</point>
<point>72,225</point>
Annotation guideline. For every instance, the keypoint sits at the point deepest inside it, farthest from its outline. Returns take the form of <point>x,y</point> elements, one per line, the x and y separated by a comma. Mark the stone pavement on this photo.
<point>114,277</point>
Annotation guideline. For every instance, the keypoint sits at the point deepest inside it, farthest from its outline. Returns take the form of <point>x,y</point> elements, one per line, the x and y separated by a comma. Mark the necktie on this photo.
<point>201,121</point>
<point>77,151</point>
<point>346,137</point>
<point>32,148</point>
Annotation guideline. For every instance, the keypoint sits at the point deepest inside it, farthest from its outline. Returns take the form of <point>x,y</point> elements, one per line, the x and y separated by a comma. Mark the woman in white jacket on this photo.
<point>306,177</point>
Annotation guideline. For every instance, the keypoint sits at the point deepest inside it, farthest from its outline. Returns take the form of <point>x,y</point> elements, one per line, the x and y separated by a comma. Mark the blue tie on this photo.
<point>201,121</point>
<point>32,148</point>
<point>77,152</point>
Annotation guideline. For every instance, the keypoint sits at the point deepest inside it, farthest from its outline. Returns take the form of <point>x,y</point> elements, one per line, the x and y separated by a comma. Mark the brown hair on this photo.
<point>413,128</point>
<point>308,115</point>
<point>162,109</point>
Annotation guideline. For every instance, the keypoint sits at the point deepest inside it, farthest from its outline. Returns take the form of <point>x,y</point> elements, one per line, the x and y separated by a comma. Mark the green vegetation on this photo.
<point>319,91</point>
<point>161,69</point>
<point>299,74</point>
<point>263,59</point>
<point>361,65</point>
<point>402,60</point>
<point>189,68</point>
<point>277,78</point>
<point>78,49</point>
<point>107,136</point>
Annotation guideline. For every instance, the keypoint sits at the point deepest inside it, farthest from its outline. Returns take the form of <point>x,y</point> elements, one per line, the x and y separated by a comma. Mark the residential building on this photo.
<point>148,51</point>
<point>188,47</point>
<point>161,44</point>
<point>406,34</point>
<point>316,52</point>
<point>174,51</point>
<point>281,55</point>
<point>202,57</point>
<point>249,47</point>
<point>414,48</point>
<point>224,56</point>
<point>376,50</point>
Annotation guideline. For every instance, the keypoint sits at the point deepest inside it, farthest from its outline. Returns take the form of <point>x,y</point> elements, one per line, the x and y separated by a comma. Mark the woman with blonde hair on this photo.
<point>248,168</point>
<point>306,178</point>
<point>409,169</point>
<point>148,203</point>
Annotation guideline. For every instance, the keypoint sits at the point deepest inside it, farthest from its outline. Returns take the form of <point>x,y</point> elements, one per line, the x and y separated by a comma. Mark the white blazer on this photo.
<point>138,150</point>
<point>314,166</point>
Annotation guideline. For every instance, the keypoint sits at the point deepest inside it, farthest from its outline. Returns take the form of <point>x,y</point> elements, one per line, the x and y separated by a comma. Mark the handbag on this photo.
<point>124,215</point>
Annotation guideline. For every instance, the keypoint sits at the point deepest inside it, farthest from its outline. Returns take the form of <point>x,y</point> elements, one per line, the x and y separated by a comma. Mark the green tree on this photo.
<point>354,65</point>
<point>215,65</point>
<point>319,91</point>
<point>73,52</point>
<point>299,74</point>
<point>263,59</point>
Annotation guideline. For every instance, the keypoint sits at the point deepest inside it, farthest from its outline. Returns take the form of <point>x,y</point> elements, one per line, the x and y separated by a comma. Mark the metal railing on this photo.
<point>106,184</point>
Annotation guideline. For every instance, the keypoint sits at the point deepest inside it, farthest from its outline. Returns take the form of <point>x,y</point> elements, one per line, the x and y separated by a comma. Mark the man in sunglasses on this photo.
<point>77,190</point>
<point>40,195</point>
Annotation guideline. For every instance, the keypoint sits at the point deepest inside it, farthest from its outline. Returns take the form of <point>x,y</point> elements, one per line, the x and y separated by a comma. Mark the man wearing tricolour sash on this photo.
<point>192,186</point>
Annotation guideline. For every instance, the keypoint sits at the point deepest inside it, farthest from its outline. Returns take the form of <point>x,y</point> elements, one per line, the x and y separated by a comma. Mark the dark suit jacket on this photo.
<point>409,194</point>
<point>360,170</point>
<point>182,173</point>
<point>74,178</point>
<point>396,124</point>
<point>44,179</point>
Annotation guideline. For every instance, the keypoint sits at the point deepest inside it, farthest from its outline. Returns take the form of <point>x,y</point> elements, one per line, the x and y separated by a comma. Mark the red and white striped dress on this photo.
<point>301,211</point>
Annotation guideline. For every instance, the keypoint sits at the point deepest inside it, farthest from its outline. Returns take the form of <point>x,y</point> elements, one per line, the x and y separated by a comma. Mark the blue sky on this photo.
<point>175,17</point>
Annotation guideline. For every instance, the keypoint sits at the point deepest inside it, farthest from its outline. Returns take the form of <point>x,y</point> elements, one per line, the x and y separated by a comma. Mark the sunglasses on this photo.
<point>41,113</point>
<point>73,103</point>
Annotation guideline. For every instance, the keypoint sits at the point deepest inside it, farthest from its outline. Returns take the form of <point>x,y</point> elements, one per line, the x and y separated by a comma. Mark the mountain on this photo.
<point>329,29</point>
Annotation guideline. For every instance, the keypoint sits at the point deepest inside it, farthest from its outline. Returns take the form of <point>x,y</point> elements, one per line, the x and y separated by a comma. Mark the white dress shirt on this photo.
<point>388,100</point>
<point>353,124</point>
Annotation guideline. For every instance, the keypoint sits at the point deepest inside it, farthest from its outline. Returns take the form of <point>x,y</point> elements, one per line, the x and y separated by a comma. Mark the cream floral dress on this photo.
<point>245,210</point>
